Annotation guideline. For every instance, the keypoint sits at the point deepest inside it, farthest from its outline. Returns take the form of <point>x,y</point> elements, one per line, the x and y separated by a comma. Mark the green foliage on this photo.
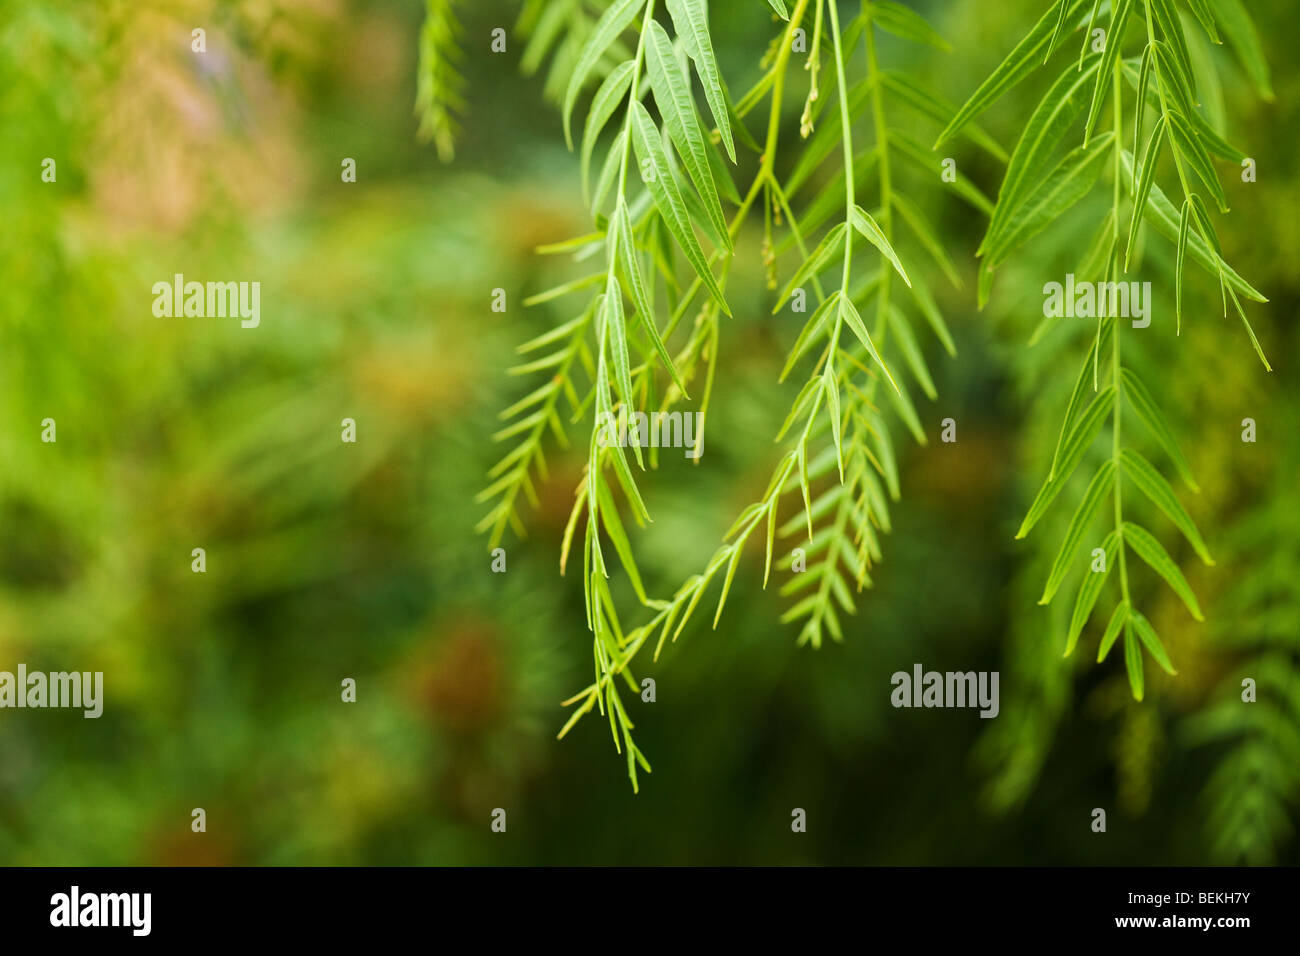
<point>838,459</point>
<point>1034,195</point>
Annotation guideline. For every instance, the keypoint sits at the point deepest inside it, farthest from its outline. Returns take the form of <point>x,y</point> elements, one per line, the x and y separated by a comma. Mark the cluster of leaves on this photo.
<point>1255,787</point>
<point>838,463</point>
<point>439,94</point>
<point>1038,190</point>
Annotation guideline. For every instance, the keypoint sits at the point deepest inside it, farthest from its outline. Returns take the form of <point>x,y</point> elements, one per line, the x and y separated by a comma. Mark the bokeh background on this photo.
<point>328,560</point>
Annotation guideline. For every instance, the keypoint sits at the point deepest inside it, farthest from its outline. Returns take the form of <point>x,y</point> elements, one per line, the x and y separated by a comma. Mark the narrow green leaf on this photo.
<point>925,302</point>
<point>1153,553</point>
<point>608,172</point>
<point>925,235</point>
<point>1171,27</point>
<point>1142,189</point>
<point>1153,485</point>
<point>1080,438</point>
<point>1240,30</point>
<point>616,323</point>
<point>1143,82</point>
<point>1133,661</point>
<point>617,18</point>
<point>810,330</point>
<point>1193,151</point>
<point>1147,635</point>
<point>614,528</point>
<point>1098,488</point>
<point>870,231</point>
<point>1140,400</point>
<point>1022,61</point>
<point>603,105</point>
<point>622,223</point>
<point>1114,40</point>
<point>779,7</point>
<point>1061,6</point>
<point>1202,11</point>
<point>1178,266</point>
<point>1082,386</point>
<point>815,263</point>
<point>691,21</point>
<point>832,388</point>
<point>1118,618</point>
<point>1069,181</point>
<point>1089,589</point>
<point>902,22</point>
<point>1160,212</point>
<point>662,186</point>
<point>672,94</point>
<point>1054,115</point>
<point>912,354</point>
<point>850,315</point>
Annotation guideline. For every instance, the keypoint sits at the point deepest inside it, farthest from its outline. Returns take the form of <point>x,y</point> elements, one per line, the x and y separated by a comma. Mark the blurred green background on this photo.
<point>328,560</point>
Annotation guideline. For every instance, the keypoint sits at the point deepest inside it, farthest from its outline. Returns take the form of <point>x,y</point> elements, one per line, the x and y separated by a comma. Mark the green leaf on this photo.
<point>814,264</point>
<point>1171,27</point>
<point>1140,400</point>
<point>614,528</point>
<point>1173,80</point>
<point>1202,11</point>
<point>1114,40</point>
<point>617,18</point>
<point>850,316</point>
<point>1022,61</point>
<point>1118,618</point>
<point>832,388</point>
<point>691,21</point>
<point>668,198</point>
<point>1061,6</point>
<point>779,7</point>
<point>1160,213</point>
<point>1069,181</point>
<point>1240,30</point>
<point>608,171</point>
<point>1080,438</point>
<point>1153,553</point>
<point>616,323</point>
<point>672,94</point>
<point>930,103</point>
<point>1143,82</point>
<point>1142,189</point>
<point>902,22</point>
<point>1098,488</point>
<point>602,107</point>
<point>1153,485</point>
<point>912,355</point>
<point>1133,661</point>
<point>1082,386</point>
<point>1055,114</point>
<point>622,224</point>
<point>1178,266</point>
<point>1089,589</point>
<point>1147,635</point>
<point>925,235</point>
<point>810,330</point>
<point>1193,150</point>
<point>870,231</point>
<point>927,161</point>
<point>925,302</point>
